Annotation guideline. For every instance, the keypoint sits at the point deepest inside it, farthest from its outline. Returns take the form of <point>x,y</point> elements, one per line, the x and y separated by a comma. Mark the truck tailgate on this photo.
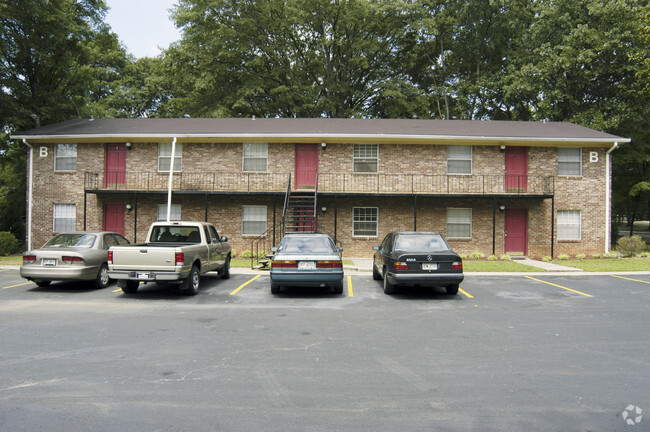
<point>144,257</point>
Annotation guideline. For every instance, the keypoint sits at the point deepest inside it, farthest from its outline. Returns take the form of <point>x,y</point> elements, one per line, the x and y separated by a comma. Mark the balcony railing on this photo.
<point>327,183</point>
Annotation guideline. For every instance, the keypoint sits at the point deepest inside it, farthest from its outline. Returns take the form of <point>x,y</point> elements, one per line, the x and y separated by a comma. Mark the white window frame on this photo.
<point>65,154</point>
<point>454,154</point>
<point>165,156</point>
<point>253,154</point>
<point>358,218</point>
<point>569,225</point>
<point>254,215</point>
<point>571,158</point>
<point>365,155</point>
<point>64,217</point>
<point>175,215</point>
<point>459,217</point>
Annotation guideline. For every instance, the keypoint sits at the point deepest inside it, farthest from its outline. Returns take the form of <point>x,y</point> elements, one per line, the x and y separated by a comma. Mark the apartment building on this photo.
<point>495,187</point>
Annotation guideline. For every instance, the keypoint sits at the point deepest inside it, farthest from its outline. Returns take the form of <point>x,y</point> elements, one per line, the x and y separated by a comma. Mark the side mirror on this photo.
<point>339,248</point>
<point>223,239</point>
<point>274,249</point>
<point>377,248</point>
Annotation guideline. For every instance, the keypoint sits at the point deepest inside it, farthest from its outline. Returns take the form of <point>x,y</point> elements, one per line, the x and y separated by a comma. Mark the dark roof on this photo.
<point>315,130</point>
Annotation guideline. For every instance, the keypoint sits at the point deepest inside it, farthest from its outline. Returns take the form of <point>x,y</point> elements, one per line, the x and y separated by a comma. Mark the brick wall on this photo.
<point>585,193</point>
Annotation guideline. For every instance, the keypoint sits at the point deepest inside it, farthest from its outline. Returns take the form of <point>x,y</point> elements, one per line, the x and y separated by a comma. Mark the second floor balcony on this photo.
<point>343,183</point>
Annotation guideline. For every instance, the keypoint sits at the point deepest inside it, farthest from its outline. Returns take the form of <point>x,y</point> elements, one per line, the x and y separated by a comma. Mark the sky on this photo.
<point>142,25</point>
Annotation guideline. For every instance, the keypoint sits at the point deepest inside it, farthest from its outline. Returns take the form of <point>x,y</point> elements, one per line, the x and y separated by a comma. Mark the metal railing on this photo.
<point>394,183</point>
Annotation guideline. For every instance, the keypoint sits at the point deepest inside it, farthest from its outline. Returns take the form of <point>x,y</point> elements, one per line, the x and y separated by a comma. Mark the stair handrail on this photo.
<point>315,225</point>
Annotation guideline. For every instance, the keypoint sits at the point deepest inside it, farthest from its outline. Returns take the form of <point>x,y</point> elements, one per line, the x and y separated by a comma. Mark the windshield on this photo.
<point>421,243</point>
<point>175,234</point>
<point>71,240</point>
<point>307,244</point>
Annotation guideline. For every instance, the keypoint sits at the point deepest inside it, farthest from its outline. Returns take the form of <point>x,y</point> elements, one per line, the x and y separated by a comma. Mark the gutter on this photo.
<point>30,187</point>
<point>608,203</point>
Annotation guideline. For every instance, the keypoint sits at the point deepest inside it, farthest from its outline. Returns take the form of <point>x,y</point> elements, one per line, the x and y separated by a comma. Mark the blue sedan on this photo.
<point>309,260</point>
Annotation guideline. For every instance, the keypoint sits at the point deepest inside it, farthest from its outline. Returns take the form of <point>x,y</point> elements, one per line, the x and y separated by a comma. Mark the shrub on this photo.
<point>581,256</point>
<point>9,244</point>
<point>611,255</point>
<point>645,254</point>
<point>597,256</point>
<point>462,256</point>
<point>492,258</point>
<point>563,257</point>
<point>630,246</point>
<point>506,258</point>
<point>248,254</point>
<point>476,255</point>
<point>547,259</point>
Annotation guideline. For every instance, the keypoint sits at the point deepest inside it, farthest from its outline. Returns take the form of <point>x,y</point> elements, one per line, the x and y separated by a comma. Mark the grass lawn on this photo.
<point>14,260</point>
<point>609,264</point>
<point>497,266</point>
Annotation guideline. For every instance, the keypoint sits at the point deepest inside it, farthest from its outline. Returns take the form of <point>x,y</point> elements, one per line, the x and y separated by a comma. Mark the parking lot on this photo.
<point>508,353</point>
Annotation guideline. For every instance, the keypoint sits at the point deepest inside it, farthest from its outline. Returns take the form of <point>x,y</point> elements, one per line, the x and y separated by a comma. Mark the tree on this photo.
<point>58,60</point>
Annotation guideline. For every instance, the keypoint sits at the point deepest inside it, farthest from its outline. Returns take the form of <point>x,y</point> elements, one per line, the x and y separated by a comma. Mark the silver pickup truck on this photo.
<point>175,252</point>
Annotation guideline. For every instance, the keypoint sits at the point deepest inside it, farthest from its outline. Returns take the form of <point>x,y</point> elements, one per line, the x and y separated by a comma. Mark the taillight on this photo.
<point>458,265</point>
<point>29,259</point>
<point>329,264</point>
<point>110,257</point>
<point>284,264</point>
<point>179,258</point>
<point>72,259</point>
<point>400,266</point>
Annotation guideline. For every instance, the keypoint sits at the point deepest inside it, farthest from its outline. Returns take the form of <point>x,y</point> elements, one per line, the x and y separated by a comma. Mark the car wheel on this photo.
<point>389,288</point>
<point>338,288</point>
<point>191,284</point>
<point>375,273</point>
<point>42,283</point>
<point>102,280</point>
<point>225,270</point>
<point>275,288</point>
<point>131,287</point>
<point>452,289</point>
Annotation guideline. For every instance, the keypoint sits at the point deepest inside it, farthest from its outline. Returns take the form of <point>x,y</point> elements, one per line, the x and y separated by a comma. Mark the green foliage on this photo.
<point>547,259</point>
<point>563,257</point>
<point>610,255</point>
<point>506,257</point>
<point>581,256</point>
<point>644,254</point>
<point>476,255</point>
<point>247,254</point>
<point>492,258</point>
<point>598,256</point>
<point>630,246</point>
<point>9,244</point>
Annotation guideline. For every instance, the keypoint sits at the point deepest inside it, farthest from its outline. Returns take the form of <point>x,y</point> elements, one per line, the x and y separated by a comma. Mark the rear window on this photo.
<point>71,240</point>
<point>307,244</point>
<point>421,243</point>
<point>175,234</point>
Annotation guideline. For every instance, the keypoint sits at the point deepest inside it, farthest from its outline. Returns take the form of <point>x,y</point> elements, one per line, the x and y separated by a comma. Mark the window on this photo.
<point>366,158</point>
<point>569,225</point>
<point>569,161</point>
<point>459,159</point>
<point>65,157</point>
<point>256,157</point>
<point>165,156</point>
<point>365,221</point>
<point>175,214</point>
<point>459,222</point>
<point>253,220</point>
<point>65,217</point>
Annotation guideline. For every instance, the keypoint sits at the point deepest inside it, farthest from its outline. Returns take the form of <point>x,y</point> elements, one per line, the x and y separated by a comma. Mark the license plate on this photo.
<point>49,262</point>
<point>307,265</point>
<point>142,276</point>
<point>430,266</point>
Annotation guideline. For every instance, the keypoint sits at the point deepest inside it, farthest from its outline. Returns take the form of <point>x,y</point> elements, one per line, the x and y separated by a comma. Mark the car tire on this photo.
<point>225,270</point>
<point>375,273</point>
<point>102,280</point>
<point>275,288</point>
<point>43,283</point>
<point>130,287</point>
<point>190,285</point>
<point>338,288</point>
<point>389,288</point>
<point>452,289</point>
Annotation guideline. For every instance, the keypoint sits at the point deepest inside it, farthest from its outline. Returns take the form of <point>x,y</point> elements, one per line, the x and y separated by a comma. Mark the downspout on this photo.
<point>169,186</point>
<point>608,200</point>
<point>30,187</point>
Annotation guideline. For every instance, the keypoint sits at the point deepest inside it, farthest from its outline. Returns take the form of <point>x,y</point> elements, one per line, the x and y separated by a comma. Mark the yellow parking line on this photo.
<point>559,286</point>
<point>465,293</point>
<point>635,280</point>
<point>350,290</point>
<point>14,286</point>
<point>242,286</point>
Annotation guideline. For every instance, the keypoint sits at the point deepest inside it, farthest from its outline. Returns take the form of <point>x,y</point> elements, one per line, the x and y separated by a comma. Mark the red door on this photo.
<point>115,164</point>
<point>306,166</point>
<point>516,230</point>
<point>516,169</point>
<point>114,217</point>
